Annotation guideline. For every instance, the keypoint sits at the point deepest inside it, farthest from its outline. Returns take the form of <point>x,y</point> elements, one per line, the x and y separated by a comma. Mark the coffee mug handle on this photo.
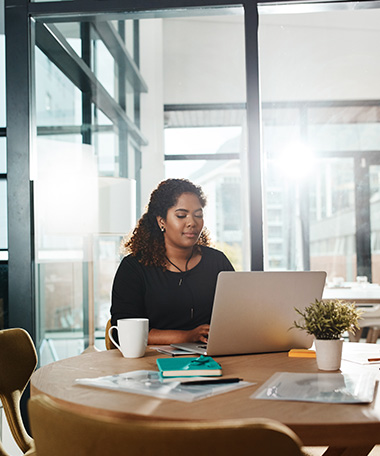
<point>112,339</point>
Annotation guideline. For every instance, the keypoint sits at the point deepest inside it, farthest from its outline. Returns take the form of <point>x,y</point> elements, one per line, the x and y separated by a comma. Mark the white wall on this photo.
<point>329,55</point>
<point>320,56</point>
<point>152,106</point>
<point>201,58</point>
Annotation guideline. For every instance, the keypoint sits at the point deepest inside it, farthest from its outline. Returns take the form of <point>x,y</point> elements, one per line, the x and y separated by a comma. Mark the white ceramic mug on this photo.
<point>133,336</point>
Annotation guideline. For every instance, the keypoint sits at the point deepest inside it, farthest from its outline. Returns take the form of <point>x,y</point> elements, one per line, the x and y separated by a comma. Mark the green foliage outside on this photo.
<point>329,319</point>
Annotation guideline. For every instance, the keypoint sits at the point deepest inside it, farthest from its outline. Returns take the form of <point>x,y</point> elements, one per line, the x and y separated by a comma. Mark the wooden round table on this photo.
<point>342,427</point>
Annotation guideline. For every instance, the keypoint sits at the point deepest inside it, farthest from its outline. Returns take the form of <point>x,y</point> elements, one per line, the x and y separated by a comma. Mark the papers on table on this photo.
<point>168,350</point>
<point>361,353</point>
<point>341,388</point>
<point>148,383</point>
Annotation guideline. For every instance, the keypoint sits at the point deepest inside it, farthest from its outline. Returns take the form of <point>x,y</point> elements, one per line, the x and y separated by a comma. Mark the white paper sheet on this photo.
<point>361,353</point>
<point>341,388</point>
<point>148,383</point>
<point>168,350</point>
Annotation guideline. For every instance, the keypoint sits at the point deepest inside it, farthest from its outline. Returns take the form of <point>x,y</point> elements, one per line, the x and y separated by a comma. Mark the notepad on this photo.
<point>189,367</point>
<point>301,353</point>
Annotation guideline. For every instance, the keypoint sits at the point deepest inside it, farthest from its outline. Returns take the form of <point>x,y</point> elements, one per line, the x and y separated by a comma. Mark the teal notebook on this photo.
<point>189,367</point>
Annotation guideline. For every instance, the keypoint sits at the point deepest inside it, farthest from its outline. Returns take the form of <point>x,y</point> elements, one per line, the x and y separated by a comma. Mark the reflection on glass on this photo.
<point>375,221</point>
<point>72,32</point>
<point>3,215</point>
<point>58,101</point>
<point>104,65</point>
<point>326,219</point>
<point>2,80</point>
<point>107,253</point>
<point>105,143</point>
<point>130,100</point>
<point>3,155</point>
<point>129,37</point>
<point>345,137</point>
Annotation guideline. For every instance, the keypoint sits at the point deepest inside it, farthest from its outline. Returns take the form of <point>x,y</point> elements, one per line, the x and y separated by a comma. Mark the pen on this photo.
<point>371,360</point>
<point>211,381</point>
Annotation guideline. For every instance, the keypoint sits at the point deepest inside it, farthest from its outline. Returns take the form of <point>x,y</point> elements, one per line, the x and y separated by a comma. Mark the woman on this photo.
<point>170,273</point>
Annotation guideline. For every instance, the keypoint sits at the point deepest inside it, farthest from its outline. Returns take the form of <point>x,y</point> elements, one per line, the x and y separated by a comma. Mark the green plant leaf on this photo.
<point>329,319</point>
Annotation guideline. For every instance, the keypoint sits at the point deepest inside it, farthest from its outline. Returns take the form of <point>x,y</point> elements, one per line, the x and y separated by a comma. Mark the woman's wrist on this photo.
<point>168,336</point>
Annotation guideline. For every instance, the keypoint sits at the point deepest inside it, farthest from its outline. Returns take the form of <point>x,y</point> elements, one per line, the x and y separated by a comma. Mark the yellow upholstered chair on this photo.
<point>18,359</point>
<point>108,341</point>
<point>60,431</point>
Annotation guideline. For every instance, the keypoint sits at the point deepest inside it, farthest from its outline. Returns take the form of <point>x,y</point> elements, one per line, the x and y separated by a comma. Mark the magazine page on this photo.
<point>148,383</point>
<point>340,388</point>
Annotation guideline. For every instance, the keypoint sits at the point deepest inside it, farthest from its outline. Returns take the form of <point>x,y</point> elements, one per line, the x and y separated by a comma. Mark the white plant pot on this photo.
<point>329,353</point>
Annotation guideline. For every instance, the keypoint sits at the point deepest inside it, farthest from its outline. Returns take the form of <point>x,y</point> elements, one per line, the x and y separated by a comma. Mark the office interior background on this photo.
<point>274,109</point>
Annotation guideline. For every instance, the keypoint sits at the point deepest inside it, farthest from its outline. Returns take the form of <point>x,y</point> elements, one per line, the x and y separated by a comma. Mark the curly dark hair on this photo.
<point>147,241</point>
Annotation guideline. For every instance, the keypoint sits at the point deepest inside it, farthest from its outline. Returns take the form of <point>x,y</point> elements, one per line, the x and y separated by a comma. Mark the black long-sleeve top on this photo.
<point>170,300</point>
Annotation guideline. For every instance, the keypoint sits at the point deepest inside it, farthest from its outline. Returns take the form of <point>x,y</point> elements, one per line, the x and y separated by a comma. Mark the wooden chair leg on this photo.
<point>373,334</point>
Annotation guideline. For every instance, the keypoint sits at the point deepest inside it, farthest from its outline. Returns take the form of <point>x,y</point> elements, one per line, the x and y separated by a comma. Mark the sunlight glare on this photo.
<point>296,161</point>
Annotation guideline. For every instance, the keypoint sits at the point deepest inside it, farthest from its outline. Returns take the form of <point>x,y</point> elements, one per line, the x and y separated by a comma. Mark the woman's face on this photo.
<point>184,222</point>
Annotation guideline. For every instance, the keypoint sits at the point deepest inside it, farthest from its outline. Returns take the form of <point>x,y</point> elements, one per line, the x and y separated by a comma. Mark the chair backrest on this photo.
<point>18,359</point>
<point>108,341</point>
<point>59,430</point>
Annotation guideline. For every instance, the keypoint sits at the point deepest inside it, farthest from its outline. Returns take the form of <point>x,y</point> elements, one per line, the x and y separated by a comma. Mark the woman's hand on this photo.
<point>199,334</point>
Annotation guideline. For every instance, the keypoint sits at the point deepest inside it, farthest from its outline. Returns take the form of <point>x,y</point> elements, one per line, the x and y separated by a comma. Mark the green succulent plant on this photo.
<point>329,319</point>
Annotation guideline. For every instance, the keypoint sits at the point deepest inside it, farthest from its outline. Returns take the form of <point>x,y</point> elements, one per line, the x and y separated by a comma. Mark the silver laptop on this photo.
<point>254,311</point>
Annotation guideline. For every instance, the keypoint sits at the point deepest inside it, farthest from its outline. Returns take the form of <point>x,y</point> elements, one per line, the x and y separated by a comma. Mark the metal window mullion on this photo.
<point>136,57</point>
<point>254,137</point>
<point>304,198</point>
<point>86,95</point>
<point>363,218</point>
<point>86,9</point>
<point>223,156</point>
<point>58,50</point>
<point>20,43</point>
<point>123,146</point>
<point>116,46</point>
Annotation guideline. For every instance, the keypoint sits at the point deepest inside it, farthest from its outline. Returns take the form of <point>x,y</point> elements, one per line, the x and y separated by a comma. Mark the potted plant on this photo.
<point>327,320</point>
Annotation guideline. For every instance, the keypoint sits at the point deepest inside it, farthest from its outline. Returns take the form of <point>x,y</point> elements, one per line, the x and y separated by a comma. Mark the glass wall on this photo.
<point>85,188</point>
<point>321,140</point>
<point>205,122</point>
<point>123,101</point>
<point>113,99</point>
